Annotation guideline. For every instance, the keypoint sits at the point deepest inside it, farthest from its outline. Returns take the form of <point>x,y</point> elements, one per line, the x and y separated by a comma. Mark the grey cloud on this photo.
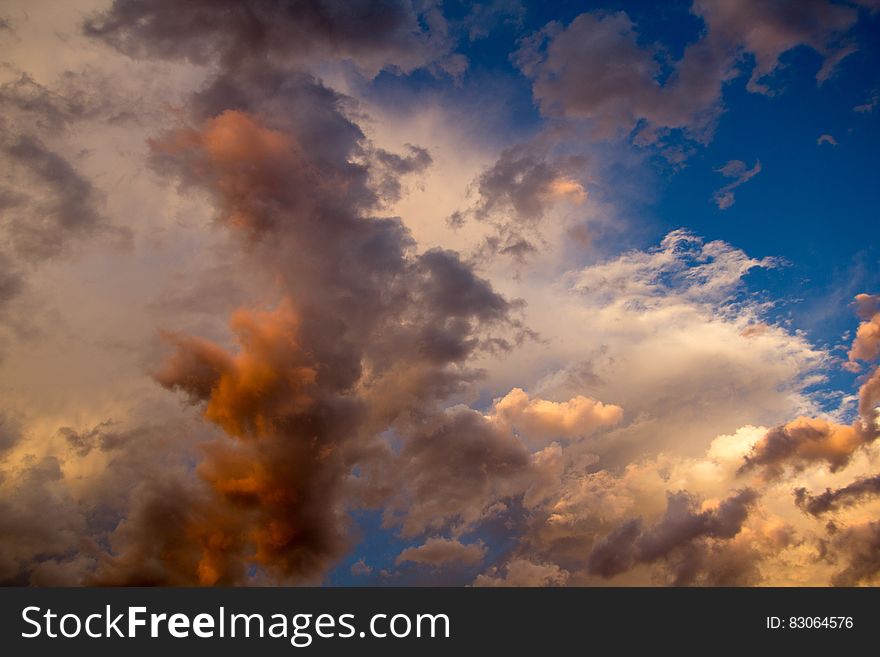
<point>678,538</point>
<point>39,521</point>
<point>368,334</point>
<point>46,203</point>
<point>769,29</point>
<point>832,500</point>
<point>571,75</point>
<point>10,433</point>
<point>102,436</point>
<point>515,193</point>
<point>59,202</point>
<point>452,469</point>
<point>11,281</point>
<point>374,35</point>
<point>615,553</point>
<point>860,545</point>
<point>520,183</point>
<point>50,538</point>
<point>389,167</point>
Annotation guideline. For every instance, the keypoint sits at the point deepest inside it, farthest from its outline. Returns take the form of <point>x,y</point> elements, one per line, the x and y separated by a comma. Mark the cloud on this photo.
<point>736,169</point>
<point>49,206</point>
<point>439,551</point>
<point>515,194</point>
<point>575,424</point>
<point>365,334</point>
<point>767,30</point>
<point>866,345</point>
<point>870,106</point>
<point>484,17</point>
<point>571,78</point>
<point>373,36</point>
<point>805,441</point>
<point>39,517</point>
<point>454,470</point>
<point>832,500</point>
<point>521,572</point>
<point>539,421</point>
<point>360,568</point>
<point>391,166</point>
<point>10,433</point>
<point>826,139</point>
<point>677,531</point>
<point>524,182</point>
<point>867,305</point>
<point>861,546</point>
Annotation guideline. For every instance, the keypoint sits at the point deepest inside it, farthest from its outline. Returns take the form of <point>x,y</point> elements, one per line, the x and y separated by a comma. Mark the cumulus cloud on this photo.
<point>571,78</point>
<point>438,551</point>
<point>861,546</point>
<point>679,530</point>
<point>806,440</point>
<point>455,469</point>
<point>866,345</point>
<point>37,488</point>
<point>360,369</point>
<point>366,334</point>
<point>816,440</point>
<point>521,572</point>
<point>736,169</point>
<point>360,568</point>
<point>540,421</point>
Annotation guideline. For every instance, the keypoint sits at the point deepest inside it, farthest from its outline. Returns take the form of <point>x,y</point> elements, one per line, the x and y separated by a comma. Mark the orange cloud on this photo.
<point>541,420</point>
<point>245,393</point>
<point>815,440</point>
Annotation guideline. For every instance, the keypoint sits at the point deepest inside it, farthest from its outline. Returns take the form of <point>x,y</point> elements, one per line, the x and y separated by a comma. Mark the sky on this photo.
<point>399,293</point>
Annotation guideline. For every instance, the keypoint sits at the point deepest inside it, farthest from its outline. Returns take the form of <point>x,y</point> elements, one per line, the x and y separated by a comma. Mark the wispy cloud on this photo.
<point>741,174</point>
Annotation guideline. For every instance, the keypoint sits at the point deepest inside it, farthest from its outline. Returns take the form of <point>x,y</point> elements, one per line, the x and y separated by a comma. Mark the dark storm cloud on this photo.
<point>859,545</point>
<point>373,35</point>
<point>10,433</point>
<point>454,467</point>
<point>11,280</point>
<point>367,333</point>
<point>832,500</point>
<point>679,537</point>
<point>615,553</point>
<point>40,523</point>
